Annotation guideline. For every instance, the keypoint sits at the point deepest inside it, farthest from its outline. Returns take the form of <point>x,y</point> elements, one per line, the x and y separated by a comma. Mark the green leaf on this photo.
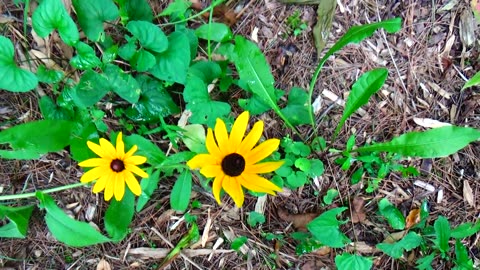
<point>194,138</point>
<point>326,228</point>
<point>135,10</point>
<point>347,261</point>
<point>91,88</point>
<point>317,167</point>
<point>238,242</point>
<point>331,194</point>
<point>128,50</point>
<point>146,148</point>
<point>172,64</point>
<point>425,263</point>
<point>462,260</point>
<point>296,179</point>
<point>143,60</point>
<point>394,217</point>
<point>92,14</point>
<point>148,185</point>
<point>13,78</point>
<point>87,132</point>
<point>149,35</point>
<point>437,142</point>
<point>67,230</point>
<point>33,139</point>
<point>255,218</point>
<point>119,215</point>
<point>465,230</point>
<point>442,232</point>
<point>218,32</point>
<point>51,15</point>
<point>191,237</point>
<point>18,217</point>
<point>395,250</point>
<point>85,58</point>
<point>180,196</point>
<point>367,85</point>
<point>303,164</point>
<point>51,111</point>
<point>49,75</point>
<point>122,83</point>
<point>296,110</point>
<point>475,80</point>
<point>176,7</point>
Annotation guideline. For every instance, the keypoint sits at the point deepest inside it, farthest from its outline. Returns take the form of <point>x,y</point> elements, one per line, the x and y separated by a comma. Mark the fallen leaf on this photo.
<point>299,221</point>
<point>357,210</point>
<point>413,218</point>
<point>103,265</point>
<point>468,194</point>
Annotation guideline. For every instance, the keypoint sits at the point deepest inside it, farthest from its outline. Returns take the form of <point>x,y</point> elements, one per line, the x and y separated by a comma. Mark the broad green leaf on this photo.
<point>296,179</point>
<point>255,218</point>
<point>303,164</point>
<point>172,64</point>
<point>143,60</point>
<point>475,80</point>
<point>238,242</point>
<point>181,191</point>
<point>13,78</point>
<point>317,167</point>
<point>395,250</point>
<point>146,148</point>
<point>437,142</point>
<point>33,139</point>
<point>51,15</point>
<point>331,194</point>
<point>326,228</point>
<point>92,14</point>
<point>49,75</point>
<point>462,260</point>
<point>465,230</point>
<point>442,232</point>
<point>122,83</point>
<point>176,7</point>
<point>296,110</point>
<point>128,50</point>
<point>192,39</point>
<point>119,215</point>
<point>18,221</point>
<point>110,54</point>
<point>425,263</point>
<point>367,85</point>
<point>254,105</point>
<point>91,88</point>
<point>194,138</point>
<point>67,230</point>
<point>51,111</point>
<point>149,35</point>
<point>347,261</point>
<point>135,10</point>
<point>87,132</point>
<point>218,32</point>
<point>154,101</point>
<point>148,185</point>
<point>85,58</point>
<point>394,217</point>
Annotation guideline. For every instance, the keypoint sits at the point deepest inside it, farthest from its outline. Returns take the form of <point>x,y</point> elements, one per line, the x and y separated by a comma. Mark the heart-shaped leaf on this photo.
<point>51,15</point>
<point>149,35</point>
<point>91,15</point>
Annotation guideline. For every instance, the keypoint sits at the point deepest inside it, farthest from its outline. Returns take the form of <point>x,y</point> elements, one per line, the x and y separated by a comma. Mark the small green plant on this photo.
<point>295,23</point>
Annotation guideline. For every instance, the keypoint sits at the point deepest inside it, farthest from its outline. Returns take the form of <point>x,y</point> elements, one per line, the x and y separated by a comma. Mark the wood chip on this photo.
<point>468,194</point>
<point>206,230</point>
<point>429,123</point>
<point>103,265</point>
<point>439,90</point>
<point>424,185</point>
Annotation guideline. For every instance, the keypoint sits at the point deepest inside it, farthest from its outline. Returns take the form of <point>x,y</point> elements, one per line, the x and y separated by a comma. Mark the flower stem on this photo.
<point>32,194</point>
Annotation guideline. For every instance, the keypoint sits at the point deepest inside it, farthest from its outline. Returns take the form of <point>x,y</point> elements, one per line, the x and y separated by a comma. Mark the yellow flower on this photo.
<point>232,160</point>
<point>113,169</point>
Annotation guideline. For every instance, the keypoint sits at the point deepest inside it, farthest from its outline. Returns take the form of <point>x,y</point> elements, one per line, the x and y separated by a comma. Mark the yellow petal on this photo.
<point>217,187</point>
<point>221,136</point>
<point>264,167</point>
<point>251,139</point>
<point>96,149</point>
<point>262,151</point>
<point>101,183</point>
<point>130,152</point>
<point>120,146</point>
<point>119,190</point>
<point>94,162</point>
<point>257,183</point>
<point>234,189</point>
<point>136,170</point>
<point>201,160</point>
<point>212,146</point>
<point>132,183</point>
<point>108,148</point>
<point>109,187</point>
<point>135,160</point>
<point>94,174</point>
<point>238,130</point>
<point>211,171</point>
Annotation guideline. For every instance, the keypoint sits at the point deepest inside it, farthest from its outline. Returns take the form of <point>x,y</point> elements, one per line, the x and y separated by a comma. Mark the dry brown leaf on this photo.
<point>468,194</point>
<point>357,211</point>
<point>413,218</point>
<point>299,221</point>
<point>103,265</point>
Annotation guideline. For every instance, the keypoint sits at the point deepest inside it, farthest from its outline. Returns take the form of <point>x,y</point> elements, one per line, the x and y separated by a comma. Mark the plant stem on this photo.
<point>32,194</point>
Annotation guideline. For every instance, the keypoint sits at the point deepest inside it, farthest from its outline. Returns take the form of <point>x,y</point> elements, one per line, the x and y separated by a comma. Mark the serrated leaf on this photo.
<point>85,58</point>
<point>395,250</point>
<point>148,185</point>
<point>18,221</point>
<point>297,107</point>
<point>180,196</point>
<point>347,261</point>
<point>67,230</point>
<point>92,14</point>
<point>394,217</point>
<point>13,78</point>
<point>442,232</point>
<point>326,228</point>
<point>119,215</point>
<point>51,15</point>
<point>172,64</point>
<point>33,139</point>
<point>437,142</point>
<point>218,32</point>
<point>122,83</point>
<point>367,85</point>
<point>149,35</point>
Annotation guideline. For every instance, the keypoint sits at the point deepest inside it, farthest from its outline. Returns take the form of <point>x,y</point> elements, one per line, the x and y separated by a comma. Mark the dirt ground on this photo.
<point>428,62</point>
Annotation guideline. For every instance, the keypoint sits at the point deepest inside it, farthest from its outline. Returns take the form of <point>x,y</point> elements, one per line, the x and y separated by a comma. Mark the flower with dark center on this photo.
<point>233,160</point>
<point>113,169</point>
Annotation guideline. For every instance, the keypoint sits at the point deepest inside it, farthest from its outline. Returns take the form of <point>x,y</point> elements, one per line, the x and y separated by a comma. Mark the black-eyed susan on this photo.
<point>113,169</point>
<point>233,161</point>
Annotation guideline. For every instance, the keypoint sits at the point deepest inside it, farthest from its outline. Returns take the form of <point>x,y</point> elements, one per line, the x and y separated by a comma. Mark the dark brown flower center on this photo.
<point>117,165</point>
<point>233,164</point>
